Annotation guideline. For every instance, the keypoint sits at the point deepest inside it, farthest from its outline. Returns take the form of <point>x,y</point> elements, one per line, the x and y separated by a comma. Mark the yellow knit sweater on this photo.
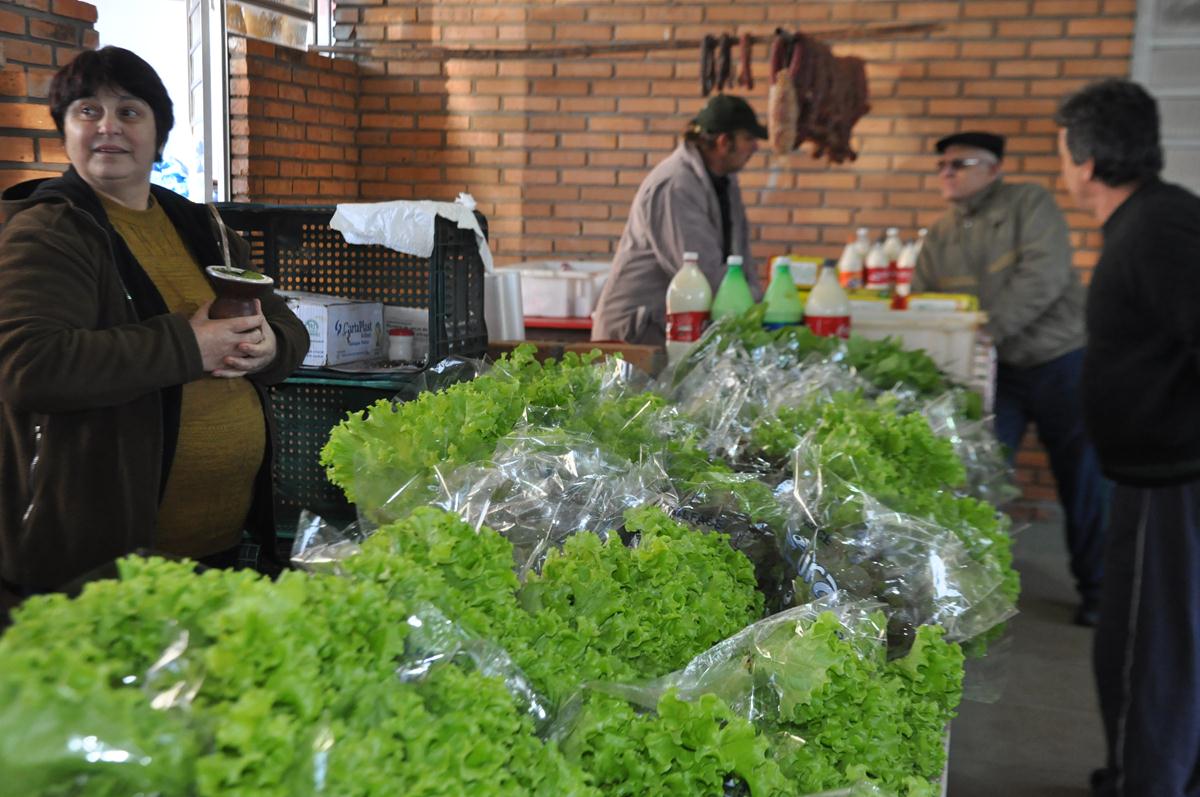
<point>222,432</point>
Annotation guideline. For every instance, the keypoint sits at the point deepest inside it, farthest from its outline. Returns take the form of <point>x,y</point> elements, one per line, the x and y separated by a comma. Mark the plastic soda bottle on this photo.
<point>689,299</point>
<point>784,308</point>
<point>828,310</point>
<point>876,268</point>
<point>907,264</point>
<point>892,247</point>
<point>853,260</point>
<point>905,267</point>
<point>733,296</point>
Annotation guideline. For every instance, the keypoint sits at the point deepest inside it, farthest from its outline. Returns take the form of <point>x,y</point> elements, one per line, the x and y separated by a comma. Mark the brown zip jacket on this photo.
<point>1009,245</point>
<point>91,369</point>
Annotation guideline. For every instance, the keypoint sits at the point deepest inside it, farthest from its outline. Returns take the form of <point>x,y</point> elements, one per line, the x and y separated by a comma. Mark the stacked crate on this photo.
<point>301,252</point>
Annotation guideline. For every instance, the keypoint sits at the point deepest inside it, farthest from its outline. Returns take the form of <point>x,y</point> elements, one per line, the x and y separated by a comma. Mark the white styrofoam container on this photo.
<point>955,341</point>
<point>561,288</point>
<point>339,330</point>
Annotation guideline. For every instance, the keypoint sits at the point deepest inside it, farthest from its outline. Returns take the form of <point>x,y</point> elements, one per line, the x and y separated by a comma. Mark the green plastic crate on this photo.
<point>306,410</point>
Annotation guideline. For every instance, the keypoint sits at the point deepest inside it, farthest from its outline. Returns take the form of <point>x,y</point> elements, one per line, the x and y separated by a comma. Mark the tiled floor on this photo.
<point>1043,736</point>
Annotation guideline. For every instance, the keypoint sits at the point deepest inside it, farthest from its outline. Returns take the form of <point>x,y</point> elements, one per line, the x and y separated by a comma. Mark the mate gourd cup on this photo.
<point>236,290</point>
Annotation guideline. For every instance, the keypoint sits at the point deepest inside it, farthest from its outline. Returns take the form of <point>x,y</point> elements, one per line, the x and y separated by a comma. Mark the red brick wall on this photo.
<point>293,122</point>
<point>36,38</point>
<point>554,150</point>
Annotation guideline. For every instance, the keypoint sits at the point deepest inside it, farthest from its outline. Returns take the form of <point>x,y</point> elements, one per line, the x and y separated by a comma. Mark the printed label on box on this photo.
<point>339,330</point>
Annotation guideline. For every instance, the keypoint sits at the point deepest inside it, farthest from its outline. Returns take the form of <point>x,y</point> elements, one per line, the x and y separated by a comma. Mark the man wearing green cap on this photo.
<point>689,203</point>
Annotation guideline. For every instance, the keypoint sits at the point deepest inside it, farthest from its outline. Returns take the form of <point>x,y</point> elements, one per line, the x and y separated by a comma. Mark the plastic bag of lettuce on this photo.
<point>284,688</point>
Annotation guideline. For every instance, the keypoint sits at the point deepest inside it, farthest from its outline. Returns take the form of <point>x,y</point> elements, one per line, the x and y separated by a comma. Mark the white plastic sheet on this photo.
<point>407,226</point>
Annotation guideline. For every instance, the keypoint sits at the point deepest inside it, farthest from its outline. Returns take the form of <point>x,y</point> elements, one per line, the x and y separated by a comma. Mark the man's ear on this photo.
<point>1088,169</point>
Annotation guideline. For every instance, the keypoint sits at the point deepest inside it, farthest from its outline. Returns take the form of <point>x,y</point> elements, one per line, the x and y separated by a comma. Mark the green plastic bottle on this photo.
<point>784,308</point>
<point>733,297</point>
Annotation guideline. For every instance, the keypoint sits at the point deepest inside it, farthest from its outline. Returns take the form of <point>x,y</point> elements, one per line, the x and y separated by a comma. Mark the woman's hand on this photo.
<point>234,347</point>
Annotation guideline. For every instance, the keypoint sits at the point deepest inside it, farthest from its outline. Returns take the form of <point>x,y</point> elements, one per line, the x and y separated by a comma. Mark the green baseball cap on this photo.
<point>726,113</point>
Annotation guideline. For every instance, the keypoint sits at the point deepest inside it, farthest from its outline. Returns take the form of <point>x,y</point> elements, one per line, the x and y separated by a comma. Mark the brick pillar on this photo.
<point>293,122</point>
<point>36,38</point>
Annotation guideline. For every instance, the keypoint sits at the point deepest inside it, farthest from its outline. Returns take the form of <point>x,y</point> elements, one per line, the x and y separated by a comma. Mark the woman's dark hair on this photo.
<point>114,67</point>
<point>1114,123</point>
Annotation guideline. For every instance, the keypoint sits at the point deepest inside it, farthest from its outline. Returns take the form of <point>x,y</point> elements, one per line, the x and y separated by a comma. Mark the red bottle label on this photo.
<point>686,327</point>
<point>830,326</point>
<point>878,277</point>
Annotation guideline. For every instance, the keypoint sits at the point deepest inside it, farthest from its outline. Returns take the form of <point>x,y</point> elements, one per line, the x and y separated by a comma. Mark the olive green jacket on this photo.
<point>1008,245</point>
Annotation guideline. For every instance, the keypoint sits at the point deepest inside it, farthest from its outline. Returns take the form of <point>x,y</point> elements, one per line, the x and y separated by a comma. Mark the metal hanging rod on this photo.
<point>415,51</point>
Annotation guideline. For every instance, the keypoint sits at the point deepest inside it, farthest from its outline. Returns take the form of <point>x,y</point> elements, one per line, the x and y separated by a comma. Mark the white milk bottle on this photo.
<point>907,264</point>
<point>689,299</point>
<point>892,248</point>
<point>876,268</point>
<point>827,311</point>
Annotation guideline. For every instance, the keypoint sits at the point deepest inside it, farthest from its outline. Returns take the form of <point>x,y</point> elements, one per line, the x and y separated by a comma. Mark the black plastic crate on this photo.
<point>296,246</point>
<point>306,410</point>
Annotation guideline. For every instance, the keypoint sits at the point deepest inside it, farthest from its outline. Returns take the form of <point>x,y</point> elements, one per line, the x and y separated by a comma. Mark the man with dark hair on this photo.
<point>1141,380</point>
<point>689,202</point>
<point>1007,243</point>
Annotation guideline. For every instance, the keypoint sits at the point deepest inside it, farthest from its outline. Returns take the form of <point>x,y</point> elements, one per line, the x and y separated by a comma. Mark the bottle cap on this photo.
<point>734,260</point>
<point>893,230</point>
<point>691,255</point>
<point>400,332</point>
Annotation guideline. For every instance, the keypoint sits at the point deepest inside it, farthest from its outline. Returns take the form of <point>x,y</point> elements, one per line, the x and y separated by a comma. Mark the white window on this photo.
<point>292,23</point>
<point>1166,60</point>
<point>186,46</point>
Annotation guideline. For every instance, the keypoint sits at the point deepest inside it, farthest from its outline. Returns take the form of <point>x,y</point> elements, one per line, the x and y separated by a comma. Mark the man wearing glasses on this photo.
<point>689,202</point>
<point>1007,243</point>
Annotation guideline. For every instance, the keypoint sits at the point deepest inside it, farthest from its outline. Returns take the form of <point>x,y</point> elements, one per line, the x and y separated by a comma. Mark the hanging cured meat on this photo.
<point>745,79</point>
<point>814,96</point>
<point>783,111</point>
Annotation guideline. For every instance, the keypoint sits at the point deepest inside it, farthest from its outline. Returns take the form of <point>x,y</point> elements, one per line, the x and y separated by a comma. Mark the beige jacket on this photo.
<point>675,210</point>
<point>1008,245</point>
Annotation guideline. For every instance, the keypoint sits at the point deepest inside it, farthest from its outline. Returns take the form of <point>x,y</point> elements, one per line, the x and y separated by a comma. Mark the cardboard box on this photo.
<point>561,288</point>
<point>414,318</point>
<point>339,330</point>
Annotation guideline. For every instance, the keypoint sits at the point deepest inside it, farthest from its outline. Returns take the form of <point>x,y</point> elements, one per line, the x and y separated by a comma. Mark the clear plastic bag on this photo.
<point>544,485</point>
<point>136,740</point>
<point>754,521</point>
<point>862,789</point>
<point>818,684</point>
<point>319,545</point>
<point>433,640</point>
<point>734,668</point>
<point>731,389</point>
<point>840,538</point>
<point>989,477</point>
